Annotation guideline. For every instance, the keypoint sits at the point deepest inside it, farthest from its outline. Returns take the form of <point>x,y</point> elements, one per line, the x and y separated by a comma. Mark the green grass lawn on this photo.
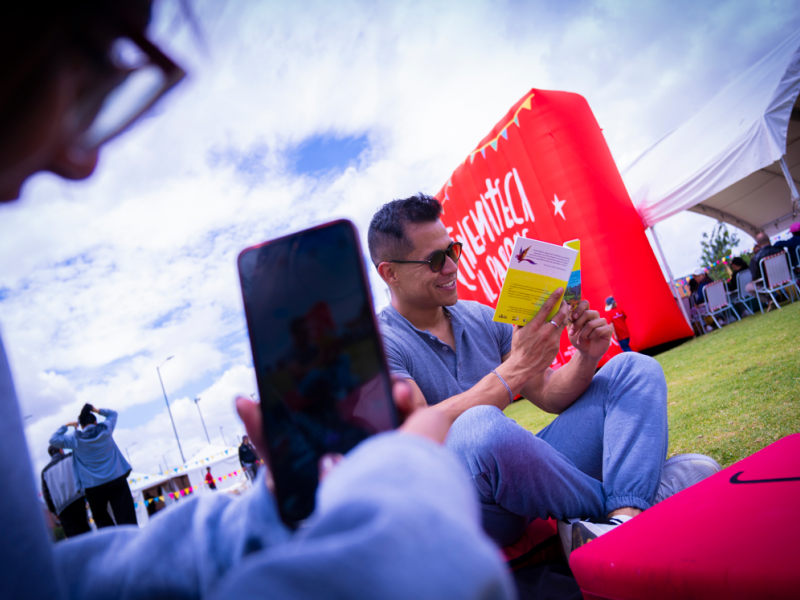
<point>731,392</point>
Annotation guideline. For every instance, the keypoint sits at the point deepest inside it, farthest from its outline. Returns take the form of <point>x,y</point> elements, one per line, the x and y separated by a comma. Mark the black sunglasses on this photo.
<point>437,259</point>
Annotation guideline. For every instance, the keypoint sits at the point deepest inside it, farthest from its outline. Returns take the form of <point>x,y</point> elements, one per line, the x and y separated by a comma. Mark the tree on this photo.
<point>718,245</point>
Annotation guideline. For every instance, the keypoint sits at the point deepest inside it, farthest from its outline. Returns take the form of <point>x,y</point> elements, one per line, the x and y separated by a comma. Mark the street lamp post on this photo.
<point>223,437</point>
<point>129,454</point>
<point>158,369</point>
<point>197,402</point>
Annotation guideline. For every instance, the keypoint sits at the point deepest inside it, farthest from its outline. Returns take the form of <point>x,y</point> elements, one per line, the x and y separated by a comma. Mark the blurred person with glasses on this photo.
<point>77,73</point>
<point>82,73</point>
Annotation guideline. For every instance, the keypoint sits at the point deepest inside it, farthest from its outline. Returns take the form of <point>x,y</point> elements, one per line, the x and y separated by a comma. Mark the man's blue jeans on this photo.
<point>604,452</point>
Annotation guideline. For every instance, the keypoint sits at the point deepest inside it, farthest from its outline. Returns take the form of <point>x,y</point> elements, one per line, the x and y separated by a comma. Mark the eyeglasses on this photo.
<point>437,259</point>
<point>130,77</point>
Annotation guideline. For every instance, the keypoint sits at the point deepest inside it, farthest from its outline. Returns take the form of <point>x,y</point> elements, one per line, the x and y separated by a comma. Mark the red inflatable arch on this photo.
<point>545,172</point>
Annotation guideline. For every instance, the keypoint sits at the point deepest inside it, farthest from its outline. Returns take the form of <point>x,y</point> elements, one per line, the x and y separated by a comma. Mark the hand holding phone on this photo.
<point>322,376</point>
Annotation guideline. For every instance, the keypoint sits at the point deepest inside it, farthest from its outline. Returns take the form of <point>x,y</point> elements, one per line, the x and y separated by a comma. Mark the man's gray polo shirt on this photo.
<point>439,371</point>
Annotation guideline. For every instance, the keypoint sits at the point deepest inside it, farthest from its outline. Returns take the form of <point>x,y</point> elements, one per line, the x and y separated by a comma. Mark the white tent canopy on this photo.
<point>225,468</point>
<point>140,481</point>
<point>211,454</point>
<point>727,161</point>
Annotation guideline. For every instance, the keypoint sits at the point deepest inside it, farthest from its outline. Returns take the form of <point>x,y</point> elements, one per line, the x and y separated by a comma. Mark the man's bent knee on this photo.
<point>636,364</point>
<point>478,429</point>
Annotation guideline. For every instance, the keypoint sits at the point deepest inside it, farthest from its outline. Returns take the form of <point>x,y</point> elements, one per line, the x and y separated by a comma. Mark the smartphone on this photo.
<point>317,353</point>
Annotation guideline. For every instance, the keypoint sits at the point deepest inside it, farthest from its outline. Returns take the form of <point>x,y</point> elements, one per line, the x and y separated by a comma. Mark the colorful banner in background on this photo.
<point>722,261</point>
<point>185,467</point>
<point>545,172</point>
<point>181,493</point>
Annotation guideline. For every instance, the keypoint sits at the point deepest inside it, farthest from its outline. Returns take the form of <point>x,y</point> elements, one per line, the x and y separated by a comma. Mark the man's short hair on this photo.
<point>86,417</point>
<point>387,237</point>
<point>762,239</point>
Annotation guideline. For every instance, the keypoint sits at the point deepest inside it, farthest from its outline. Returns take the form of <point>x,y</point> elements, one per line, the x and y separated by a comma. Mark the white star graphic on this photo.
<point>559,204</point>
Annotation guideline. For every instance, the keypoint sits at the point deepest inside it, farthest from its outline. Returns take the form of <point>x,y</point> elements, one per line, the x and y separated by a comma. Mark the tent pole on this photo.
<point>788,175</point>
<point>671,278</point>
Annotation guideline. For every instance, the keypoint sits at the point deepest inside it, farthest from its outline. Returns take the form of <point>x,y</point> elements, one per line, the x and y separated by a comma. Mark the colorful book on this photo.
<point>572,295</point>
<point>535,271</point>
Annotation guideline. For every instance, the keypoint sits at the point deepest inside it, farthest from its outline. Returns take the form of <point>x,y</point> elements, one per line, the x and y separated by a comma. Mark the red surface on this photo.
<point>716,539</point>
<point>557,150</point>
<point>539,543</point>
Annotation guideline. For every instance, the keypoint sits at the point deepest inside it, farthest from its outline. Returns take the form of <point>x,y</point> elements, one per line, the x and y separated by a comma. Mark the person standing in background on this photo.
<point>617,318</point>
<point>210,480</point>
<point>99,465</point>
<point>248,458</point>
<point>63,495</point>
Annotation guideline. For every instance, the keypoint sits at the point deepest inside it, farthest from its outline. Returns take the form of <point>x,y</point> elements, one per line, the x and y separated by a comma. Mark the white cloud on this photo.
<point>155,440</point>
<point>102,280</point>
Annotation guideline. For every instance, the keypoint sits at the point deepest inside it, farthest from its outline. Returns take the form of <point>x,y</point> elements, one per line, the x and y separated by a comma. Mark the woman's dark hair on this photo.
<point>86,417</point>
<point>692,286</point>
<point>739,262</point>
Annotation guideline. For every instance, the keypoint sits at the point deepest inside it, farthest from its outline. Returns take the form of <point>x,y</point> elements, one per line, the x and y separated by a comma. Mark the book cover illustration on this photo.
<point>572,295</point>
<point>535,271</point>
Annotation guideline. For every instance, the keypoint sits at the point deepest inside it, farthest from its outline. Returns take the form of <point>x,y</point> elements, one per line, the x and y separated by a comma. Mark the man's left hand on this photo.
<point>589,333</point>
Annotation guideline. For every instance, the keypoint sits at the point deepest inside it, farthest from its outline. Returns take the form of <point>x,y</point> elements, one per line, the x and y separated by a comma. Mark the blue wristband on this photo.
<point>503,381</point>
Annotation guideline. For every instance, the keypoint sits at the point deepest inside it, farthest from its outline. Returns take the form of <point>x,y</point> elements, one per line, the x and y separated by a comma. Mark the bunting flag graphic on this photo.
<point>545,172</point>
<point>722,261</point>
<point>133,480</point>
<point>182,493</point>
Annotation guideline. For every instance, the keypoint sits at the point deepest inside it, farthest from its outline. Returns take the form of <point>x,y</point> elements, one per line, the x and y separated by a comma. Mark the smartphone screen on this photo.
<point>317,353</point>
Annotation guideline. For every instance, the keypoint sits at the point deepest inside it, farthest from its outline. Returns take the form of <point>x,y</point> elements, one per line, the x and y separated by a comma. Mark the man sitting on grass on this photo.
<point>601,459</point>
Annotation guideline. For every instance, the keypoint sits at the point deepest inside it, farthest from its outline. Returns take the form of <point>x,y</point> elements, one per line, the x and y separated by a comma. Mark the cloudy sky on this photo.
<point>295,113</point>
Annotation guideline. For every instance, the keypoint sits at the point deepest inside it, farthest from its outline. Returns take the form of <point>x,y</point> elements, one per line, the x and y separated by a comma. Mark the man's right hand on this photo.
<point>535,345</point>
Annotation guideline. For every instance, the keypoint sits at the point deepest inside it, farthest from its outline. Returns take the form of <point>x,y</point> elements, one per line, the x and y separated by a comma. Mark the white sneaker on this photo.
<point>575,533</point>
<point>683,471</point>
<point>678,473</point>
<point>565,534</point>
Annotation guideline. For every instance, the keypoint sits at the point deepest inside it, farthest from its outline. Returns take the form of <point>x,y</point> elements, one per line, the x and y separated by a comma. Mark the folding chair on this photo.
<point>717,301</point>
<point>776,275</point>
<point>696,314</point>
<point>740,296</point>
